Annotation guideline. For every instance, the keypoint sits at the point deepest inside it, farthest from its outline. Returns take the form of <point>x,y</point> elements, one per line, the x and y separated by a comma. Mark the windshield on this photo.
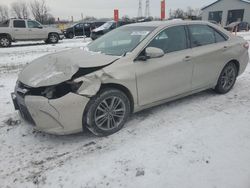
<point>4,24</point>
<point>107,25</point>
<point>120,41</point>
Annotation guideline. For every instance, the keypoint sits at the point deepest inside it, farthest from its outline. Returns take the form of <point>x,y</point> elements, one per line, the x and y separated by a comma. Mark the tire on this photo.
<point>227,78</point>
<point>107,112</point>
<point>70,36</point>
<point>53,38</point>
<point>5,41</point>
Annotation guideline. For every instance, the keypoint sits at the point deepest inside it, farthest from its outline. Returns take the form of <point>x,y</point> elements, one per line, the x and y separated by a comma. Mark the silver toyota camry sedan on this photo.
<point>127,70</point>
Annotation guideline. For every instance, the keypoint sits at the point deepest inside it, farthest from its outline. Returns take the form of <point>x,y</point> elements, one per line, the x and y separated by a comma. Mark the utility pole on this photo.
<point>140,9</point>
<point>83,29</point>
<point>147,11</point>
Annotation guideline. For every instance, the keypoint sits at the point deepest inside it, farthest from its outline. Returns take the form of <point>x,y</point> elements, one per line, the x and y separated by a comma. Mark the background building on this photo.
<point>227,11</point>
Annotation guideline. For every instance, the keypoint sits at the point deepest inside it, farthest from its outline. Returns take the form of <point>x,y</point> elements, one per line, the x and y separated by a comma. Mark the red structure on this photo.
<point>163,9</point>
<point>116,15</point>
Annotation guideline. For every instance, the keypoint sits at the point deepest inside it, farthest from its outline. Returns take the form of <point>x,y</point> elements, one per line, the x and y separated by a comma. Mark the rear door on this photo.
<point>20,30</point>
<point>209,54</point>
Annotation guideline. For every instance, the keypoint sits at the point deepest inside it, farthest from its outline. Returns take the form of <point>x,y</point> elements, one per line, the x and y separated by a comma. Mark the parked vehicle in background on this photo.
<point>105,28</point>
<point>81,29</point>
<point>14,30</point>
<point>238,26</point>
<point>145,20</point>
<point>129,69</point>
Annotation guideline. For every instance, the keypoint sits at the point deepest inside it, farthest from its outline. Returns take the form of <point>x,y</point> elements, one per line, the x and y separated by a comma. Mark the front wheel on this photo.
<point>227,78</point>
<point>53,38</point>
<point>107,112</point>
<point>5,41</point>
<point>70,36</point>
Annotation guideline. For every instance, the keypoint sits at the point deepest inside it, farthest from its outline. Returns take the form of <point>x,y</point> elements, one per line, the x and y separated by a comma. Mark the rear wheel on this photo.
<point>53,38</point>
<point>227,78</point>
<point>107,112</point>
<point>5,41</point>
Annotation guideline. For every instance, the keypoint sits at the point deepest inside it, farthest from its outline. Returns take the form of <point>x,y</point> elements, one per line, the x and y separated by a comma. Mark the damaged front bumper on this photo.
<point>60,116</point>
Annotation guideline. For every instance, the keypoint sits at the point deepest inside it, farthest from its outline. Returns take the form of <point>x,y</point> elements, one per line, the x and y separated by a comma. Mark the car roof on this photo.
<point>167,23</point>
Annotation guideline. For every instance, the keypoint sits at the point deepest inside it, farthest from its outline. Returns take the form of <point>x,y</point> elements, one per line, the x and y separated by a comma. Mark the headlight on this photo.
<point>60,90</point>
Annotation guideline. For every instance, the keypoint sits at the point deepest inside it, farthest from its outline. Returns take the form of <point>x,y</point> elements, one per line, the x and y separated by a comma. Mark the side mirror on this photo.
<point>39,27</point>
<point>152,52</point>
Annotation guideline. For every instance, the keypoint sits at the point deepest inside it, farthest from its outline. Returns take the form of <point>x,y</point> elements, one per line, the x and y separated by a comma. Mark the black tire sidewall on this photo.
<point>93,104</point>
<point>219,89</point>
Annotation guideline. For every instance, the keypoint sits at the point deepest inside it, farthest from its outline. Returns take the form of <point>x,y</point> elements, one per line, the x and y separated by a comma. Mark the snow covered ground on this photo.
<point>201,141</point>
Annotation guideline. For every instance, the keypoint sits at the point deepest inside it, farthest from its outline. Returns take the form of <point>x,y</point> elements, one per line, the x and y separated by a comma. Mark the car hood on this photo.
<point>98,29</point>
<point>59,67</point>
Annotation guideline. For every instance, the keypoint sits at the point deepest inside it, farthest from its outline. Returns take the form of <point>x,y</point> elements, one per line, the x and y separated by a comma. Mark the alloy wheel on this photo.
<point>228,77</point>
<point>4,42</point>
<point>110,113</point>
<point>53,38</point>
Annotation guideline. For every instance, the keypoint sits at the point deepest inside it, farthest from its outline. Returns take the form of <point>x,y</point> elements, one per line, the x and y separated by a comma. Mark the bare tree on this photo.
<point>89,18</point>
<point>4,13</point>
<point>39,9</point>
<point>190,12</point>
<point>197,12</point>
<point>193,12</point>
<point>20,9</point>
<point>178,13</point>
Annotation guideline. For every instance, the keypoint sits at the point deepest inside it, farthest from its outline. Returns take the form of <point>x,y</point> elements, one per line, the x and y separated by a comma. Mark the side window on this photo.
<point>79,26</point>
<point>171,40</point>
<point>33,24</point>
<point>201,35</point>
<point>19,24</point>
<point>219,37</point>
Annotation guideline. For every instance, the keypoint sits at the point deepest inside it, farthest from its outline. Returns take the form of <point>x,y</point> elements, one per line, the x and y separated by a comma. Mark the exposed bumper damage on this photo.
<point>56,116</point>
<point>54,99</point>
<point>59,116</point>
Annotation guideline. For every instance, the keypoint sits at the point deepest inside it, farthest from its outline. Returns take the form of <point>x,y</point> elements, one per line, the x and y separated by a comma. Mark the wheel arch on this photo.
<point>119,87</point>
<point>6,34</point>
<point>237,63</point>
<point>53,33</point>
<point>122,88</point>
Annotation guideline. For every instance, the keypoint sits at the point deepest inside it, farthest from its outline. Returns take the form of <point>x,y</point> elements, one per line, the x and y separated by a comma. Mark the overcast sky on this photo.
<point>64,9</point>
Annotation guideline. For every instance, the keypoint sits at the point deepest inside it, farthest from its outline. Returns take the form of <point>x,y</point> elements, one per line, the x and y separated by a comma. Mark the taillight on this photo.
<point>246,45</point>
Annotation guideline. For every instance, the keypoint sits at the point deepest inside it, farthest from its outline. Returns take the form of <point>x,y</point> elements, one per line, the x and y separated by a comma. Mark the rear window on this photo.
<point>201,35</point>
<point>19,23</point>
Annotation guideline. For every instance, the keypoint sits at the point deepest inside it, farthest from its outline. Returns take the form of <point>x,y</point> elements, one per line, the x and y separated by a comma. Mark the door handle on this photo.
<point>16,30</point>
<point>187,58</point>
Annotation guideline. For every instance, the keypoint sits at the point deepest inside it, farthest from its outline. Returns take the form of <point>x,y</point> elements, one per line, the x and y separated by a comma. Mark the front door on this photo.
<point>79,29</point>
<point>36,30</point>
<point>167,76</point>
